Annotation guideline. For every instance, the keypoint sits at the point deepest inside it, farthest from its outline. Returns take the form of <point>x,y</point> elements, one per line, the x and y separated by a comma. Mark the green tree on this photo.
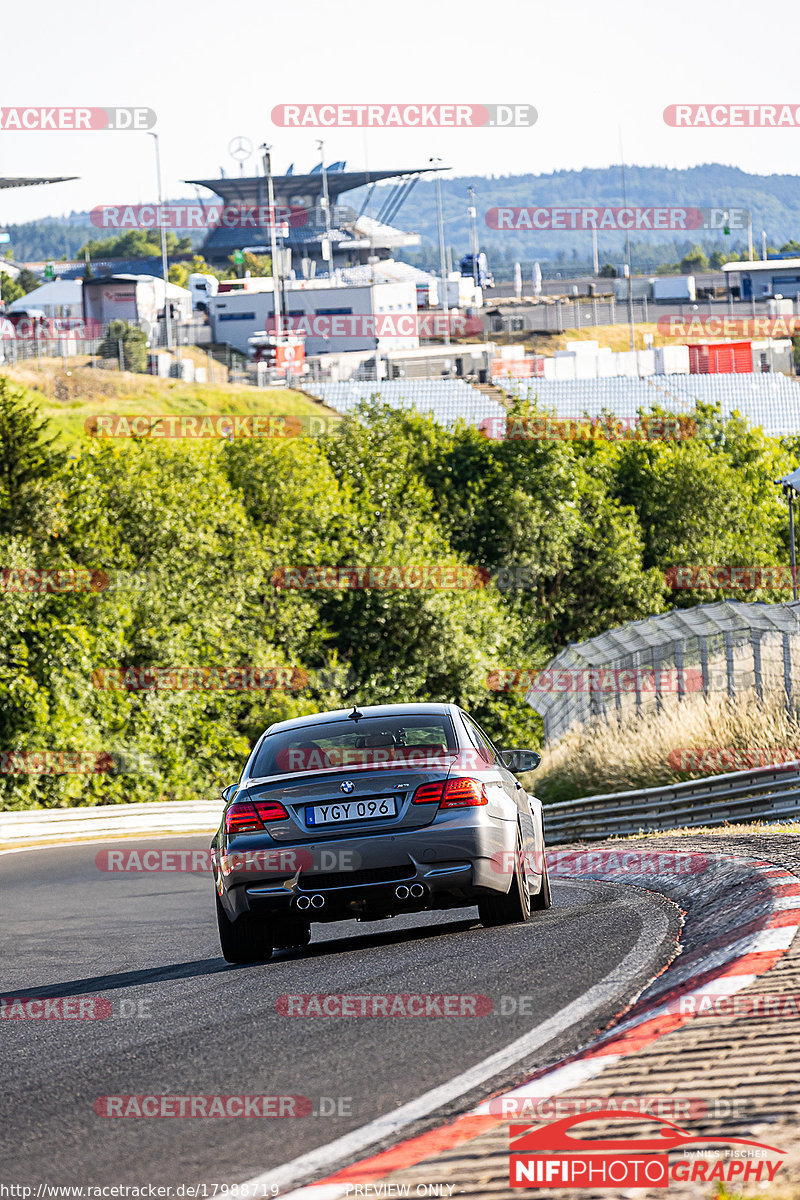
<point>135,243</point>
<point>10,289</point>
<point>179,272</point>
<point>133,342</point>
<point>256,264</point>
<point>694,261</point>
<point>708,500</point>
<point>29,463</point>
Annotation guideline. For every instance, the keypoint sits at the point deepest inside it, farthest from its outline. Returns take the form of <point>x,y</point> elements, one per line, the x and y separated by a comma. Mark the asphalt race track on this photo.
<point>183,1022</point>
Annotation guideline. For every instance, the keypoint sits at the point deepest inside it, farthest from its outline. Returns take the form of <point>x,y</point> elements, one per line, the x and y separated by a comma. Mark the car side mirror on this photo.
<point>519,761</point>
<point>228,791</point>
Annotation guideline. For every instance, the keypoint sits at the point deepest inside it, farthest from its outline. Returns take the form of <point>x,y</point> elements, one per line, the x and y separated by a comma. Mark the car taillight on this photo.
<point>242,817</point>
<point>249,816</point>
<point>270,810</point>
<point>456,793</point>
<point>429,793</point>
<point>464,793</point>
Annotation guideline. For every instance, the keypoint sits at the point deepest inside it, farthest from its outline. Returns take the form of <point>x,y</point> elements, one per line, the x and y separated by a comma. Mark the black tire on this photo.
<point>515,907</point>
<point>293,935</point>
<point>245,940</point>
<point>543,900</point>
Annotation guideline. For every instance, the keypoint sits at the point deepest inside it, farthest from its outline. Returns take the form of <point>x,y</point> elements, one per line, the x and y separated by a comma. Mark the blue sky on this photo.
<point>213,71</point>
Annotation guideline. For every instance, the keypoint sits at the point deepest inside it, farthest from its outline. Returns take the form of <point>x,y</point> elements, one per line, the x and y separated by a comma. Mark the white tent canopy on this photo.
<point>58,298</point>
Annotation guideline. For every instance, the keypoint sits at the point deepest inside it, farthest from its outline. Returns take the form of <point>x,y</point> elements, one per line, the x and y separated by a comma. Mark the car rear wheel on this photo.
<point>515,907</point>
<point>245,940</point>
<point>543,899</point>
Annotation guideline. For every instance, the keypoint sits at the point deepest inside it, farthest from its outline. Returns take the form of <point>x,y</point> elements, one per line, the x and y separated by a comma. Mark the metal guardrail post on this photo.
<point>758,680</point>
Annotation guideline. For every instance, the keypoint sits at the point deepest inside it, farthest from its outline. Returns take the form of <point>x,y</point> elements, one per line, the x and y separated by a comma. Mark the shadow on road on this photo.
<point>213,966</point>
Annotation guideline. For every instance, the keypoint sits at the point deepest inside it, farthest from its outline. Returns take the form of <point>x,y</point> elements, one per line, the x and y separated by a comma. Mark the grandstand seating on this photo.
<point>771,401</point>
<point>447,400</point>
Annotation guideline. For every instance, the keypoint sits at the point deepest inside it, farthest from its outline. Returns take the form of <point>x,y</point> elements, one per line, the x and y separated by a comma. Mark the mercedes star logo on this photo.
<point>240,148</point>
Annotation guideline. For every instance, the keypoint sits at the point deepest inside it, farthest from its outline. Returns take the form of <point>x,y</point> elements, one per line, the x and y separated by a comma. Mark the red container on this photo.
<point>721,358</point>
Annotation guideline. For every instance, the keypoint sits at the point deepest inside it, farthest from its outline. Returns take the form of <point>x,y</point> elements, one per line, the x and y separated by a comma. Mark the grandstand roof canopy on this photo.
<point>252,189</point>
<point>13,181</point>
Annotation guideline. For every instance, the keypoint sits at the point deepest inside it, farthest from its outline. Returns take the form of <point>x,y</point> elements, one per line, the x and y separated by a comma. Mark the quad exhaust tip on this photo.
<point>303,902</point>
<point>317,901</point>
<point>415,892</point>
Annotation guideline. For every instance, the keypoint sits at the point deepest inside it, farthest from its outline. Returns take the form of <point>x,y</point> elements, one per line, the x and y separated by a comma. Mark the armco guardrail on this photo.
<point>108,820</point>
<point>765,792</point>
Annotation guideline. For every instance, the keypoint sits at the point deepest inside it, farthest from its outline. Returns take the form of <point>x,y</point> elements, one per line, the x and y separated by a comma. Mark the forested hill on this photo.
<point>774,201</point>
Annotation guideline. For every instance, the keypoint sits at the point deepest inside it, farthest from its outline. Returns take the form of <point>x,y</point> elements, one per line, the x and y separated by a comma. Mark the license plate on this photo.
<point>339,811</point>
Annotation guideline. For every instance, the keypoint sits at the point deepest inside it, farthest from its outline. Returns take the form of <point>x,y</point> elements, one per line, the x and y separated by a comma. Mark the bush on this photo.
<point>134,346</point>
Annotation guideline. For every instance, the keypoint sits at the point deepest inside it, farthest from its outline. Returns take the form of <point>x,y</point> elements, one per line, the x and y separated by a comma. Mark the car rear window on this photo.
<point>370,741</point>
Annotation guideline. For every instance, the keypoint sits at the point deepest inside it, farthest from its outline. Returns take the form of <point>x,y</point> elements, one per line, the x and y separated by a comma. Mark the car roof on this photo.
<point>369,710</point>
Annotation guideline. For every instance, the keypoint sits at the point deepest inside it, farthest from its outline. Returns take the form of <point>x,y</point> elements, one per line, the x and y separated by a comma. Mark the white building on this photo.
<point>334,319</point>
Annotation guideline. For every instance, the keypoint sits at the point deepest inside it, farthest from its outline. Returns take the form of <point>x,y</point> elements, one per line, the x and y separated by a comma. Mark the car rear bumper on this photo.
<point>453,860</point>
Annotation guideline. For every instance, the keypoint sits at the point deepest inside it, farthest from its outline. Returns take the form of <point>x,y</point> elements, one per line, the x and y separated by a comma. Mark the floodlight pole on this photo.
<point>164,263</point>
<point>327,202</point>
<point>273,242</point>
<point>473,235</point>
<point>442,258</point>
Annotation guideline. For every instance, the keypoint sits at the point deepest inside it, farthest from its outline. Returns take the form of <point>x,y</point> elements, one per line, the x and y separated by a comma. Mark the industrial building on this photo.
<point>763,279</point>
<point>236,316</point>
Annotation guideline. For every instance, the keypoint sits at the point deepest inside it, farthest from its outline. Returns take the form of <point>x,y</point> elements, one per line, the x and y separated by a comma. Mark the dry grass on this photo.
<point>644,752</point>
<point>69,397</point>
<point>618,337</point>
